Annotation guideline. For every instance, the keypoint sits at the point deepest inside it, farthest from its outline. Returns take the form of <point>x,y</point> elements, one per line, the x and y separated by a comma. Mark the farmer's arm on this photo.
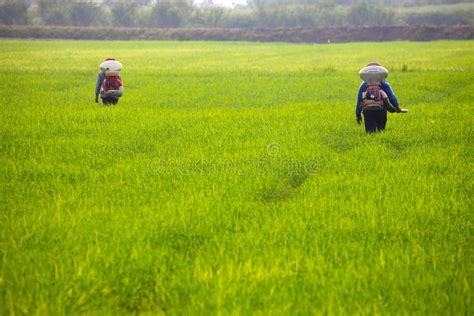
<point>100,80</point>
<point>391,96</point>
<point>362,88</point>
<point>121,81</point>
<point>386,103</point>
<point>119,92</point>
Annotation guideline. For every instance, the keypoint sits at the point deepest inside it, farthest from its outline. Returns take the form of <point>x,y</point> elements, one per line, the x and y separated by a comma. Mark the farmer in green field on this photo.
<point>109,83</point>
<point>375,98</point>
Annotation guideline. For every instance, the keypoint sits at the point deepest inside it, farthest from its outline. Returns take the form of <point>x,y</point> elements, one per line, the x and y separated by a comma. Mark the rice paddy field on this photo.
<point>232,178</point>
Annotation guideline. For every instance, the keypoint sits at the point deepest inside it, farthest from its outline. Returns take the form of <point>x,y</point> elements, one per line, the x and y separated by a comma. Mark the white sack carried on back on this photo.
<point>111,65</point>
<point>373,73</point>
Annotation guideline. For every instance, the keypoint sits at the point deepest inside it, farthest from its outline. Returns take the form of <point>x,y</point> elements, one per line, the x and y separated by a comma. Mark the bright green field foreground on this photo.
<point>233,178</point>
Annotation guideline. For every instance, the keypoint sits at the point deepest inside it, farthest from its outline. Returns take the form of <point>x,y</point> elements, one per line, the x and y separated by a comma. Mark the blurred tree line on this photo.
<point>258,13</point>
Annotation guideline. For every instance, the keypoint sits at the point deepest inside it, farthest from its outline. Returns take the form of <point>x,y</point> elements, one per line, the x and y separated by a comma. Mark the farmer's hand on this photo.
<point>359,120</point>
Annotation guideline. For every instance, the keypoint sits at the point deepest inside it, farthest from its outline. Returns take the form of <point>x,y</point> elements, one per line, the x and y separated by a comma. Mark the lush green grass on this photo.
<point>232,177</point>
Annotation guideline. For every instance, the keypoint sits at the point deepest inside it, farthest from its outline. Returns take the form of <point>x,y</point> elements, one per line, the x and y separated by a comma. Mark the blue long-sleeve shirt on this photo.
<point>385,87</point>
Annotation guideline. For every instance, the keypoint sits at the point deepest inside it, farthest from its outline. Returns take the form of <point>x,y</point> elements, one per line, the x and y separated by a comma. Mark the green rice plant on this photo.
<point>232,178</point>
